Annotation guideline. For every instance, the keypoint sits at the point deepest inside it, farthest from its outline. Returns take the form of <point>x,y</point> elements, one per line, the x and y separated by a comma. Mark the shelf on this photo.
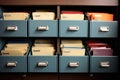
<point>60,2</point>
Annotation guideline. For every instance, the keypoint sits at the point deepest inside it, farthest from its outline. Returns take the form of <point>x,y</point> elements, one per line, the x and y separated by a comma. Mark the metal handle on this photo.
<point>73,64</point>
<point>12,64</point>
<point>43,28</point>
<point>12,28</point>
<point>104,28</point>
<point>73,28</point>
<point>105,64</point>
<point>42,64</point>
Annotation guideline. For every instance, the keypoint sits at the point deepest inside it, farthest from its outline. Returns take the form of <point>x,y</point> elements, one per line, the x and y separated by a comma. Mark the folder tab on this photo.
<point>42,47</point>
<point>43,15</point>
<point>72,48</point>
<point>100,16</point>
<point>72,15</point>
<point>15,15</point>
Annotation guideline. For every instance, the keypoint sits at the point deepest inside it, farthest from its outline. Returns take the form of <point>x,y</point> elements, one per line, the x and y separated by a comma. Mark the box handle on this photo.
<point>73,28</point>
<point>12,64</point>
<point>104,29</point>
<point>42,64</point>
<point>73,64</point>
<point>12,28</point>
<point>105,64</point>
<point>43,28</point>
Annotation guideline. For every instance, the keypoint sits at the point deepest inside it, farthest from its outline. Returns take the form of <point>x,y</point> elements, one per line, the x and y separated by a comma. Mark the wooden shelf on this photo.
<point>61,2</point>
<point>90,2</point>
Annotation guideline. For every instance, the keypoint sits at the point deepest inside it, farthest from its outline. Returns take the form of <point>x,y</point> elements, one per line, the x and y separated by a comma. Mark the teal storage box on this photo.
<point>14,64</point>
<point>73,28</point>
<point>17,63</point>
<point>42,64</point>
<point>104,64</point>
<point>43,28</point>
<point>73,64</point>
<point>13,28</point>
<point>104,29</point>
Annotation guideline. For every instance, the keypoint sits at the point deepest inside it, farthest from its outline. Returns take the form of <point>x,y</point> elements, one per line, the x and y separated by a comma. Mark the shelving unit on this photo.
<point>57,68</point>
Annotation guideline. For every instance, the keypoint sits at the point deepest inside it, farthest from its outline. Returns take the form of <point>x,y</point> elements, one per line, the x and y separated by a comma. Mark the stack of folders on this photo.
<point>99,49</point>
<point>15,49</point>
<point>100,16</point>
<point>72,48</point>
<point>43,15</point>
<point>72,15</point>
<point>15,15</point>
<point>43,48</point>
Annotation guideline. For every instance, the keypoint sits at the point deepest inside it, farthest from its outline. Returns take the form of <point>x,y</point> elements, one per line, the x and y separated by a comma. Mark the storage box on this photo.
<point>104,64</point>
<point>43,28</point>
<point>103,29</point>
<point>73,64</point>
<point>42,64</point>
<point>14,64</point>
<point>13,28</point>
<point>73,28</point>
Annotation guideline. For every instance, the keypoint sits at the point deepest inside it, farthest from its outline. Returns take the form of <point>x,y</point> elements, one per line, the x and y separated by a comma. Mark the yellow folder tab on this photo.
<point>13,52</point>
<point>16,48</point>
<point>17,45</point>
<point>72,16</point>
<point>71,43</point>
<point>43,15</point>
<point>73,52</point>
<point>43,45</point>
<point>43,51</point>
<point>15,15</point>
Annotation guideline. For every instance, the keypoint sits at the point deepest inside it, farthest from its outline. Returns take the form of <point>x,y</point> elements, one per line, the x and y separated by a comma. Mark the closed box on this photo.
<point>13,28</point>
<point>13,63</point>
<point>41,64</point>
<point>105,29</point>
<point>43,28</point>
<point>73,28</point>
<point>73,64</point>
<point>104,64</point>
